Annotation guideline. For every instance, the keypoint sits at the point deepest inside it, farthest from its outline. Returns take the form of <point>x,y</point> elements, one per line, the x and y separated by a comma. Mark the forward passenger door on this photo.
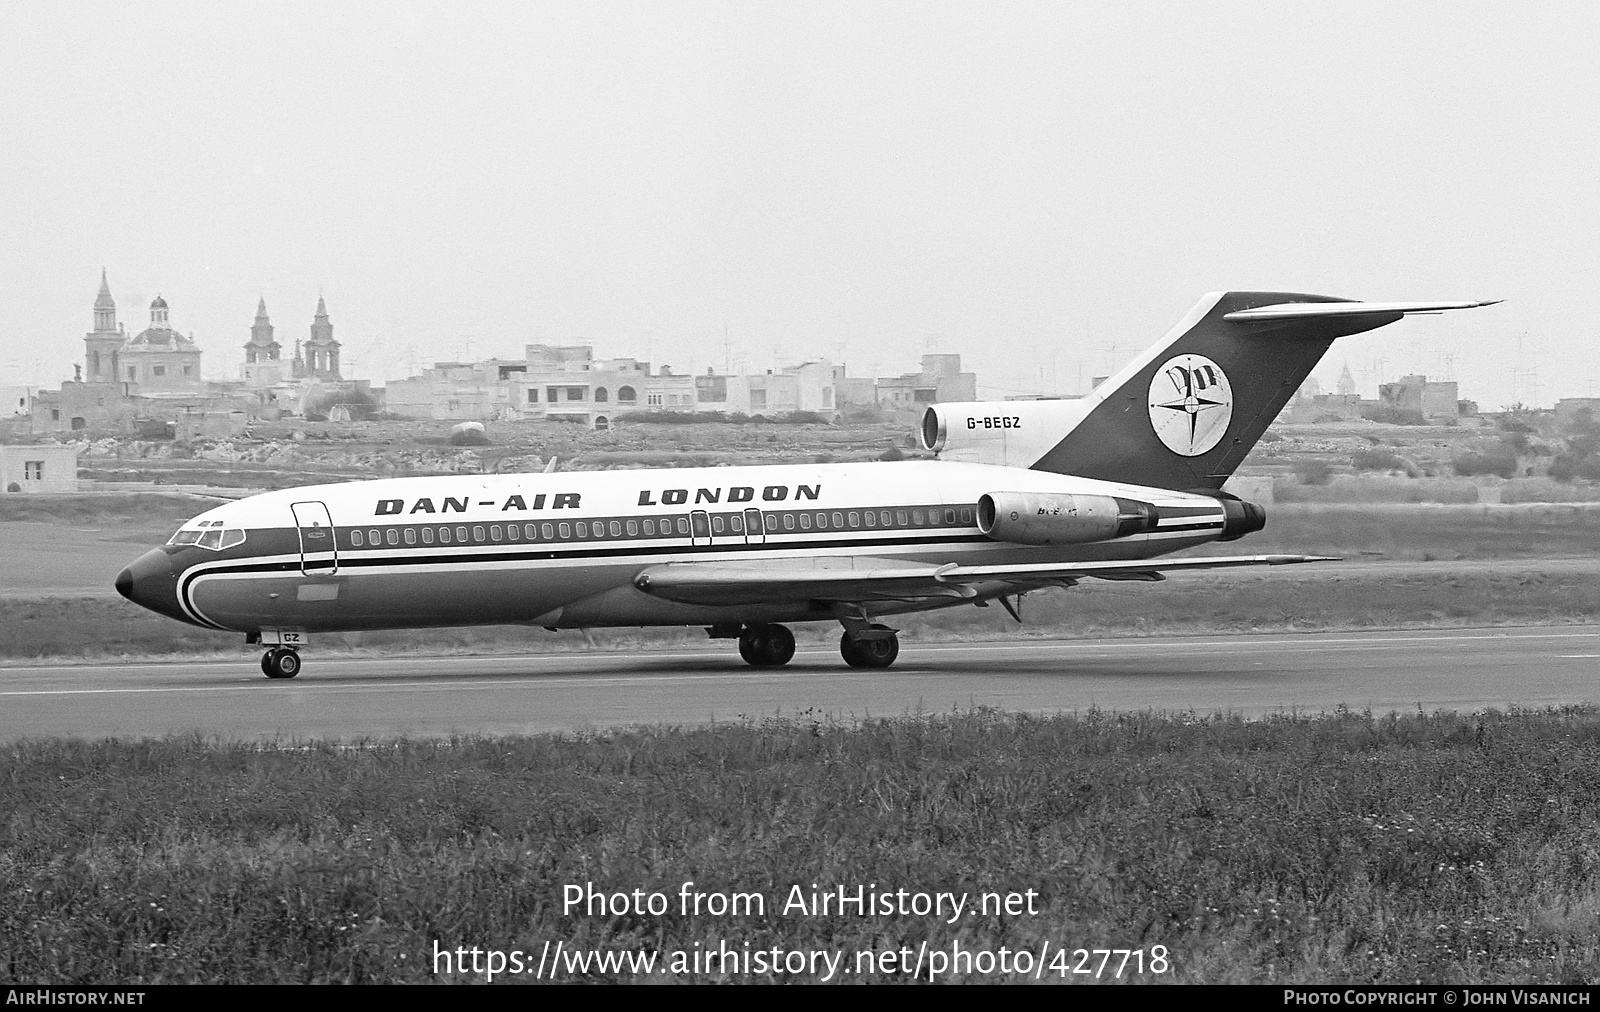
<point>319,556</point>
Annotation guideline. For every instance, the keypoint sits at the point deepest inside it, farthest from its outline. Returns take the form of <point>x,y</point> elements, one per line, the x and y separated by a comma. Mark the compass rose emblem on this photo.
<point>1191,404</point>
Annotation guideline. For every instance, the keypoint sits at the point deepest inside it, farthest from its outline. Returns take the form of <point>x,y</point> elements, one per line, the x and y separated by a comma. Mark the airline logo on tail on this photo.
<point>1190,404</point>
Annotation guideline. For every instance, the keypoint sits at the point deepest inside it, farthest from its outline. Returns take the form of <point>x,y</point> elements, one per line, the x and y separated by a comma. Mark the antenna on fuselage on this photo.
<point>550,468</point>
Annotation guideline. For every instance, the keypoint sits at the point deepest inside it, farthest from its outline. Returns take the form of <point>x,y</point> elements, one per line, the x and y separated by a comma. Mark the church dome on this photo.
<point>160,333</point>
<point>160,337</point>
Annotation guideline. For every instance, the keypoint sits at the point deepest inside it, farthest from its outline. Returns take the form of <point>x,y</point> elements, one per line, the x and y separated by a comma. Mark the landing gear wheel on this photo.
<point>766,646</point>
<point>873,653</point>
<point>280,662</point>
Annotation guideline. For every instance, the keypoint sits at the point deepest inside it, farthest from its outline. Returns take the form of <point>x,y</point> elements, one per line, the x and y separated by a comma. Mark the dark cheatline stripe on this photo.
<point>434,556</point>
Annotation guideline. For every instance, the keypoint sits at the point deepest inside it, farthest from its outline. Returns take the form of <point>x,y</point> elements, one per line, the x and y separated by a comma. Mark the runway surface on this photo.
<point>434,696</point>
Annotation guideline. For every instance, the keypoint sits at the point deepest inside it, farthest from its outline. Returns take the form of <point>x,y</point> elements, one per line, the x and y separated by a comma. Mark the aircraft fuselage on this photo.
<point>563,550</point>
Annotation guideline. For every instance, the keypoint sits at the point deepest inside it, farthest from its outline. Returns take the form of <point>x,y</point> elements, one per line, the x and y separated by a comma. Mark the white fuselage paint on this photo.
<point>267,583</point>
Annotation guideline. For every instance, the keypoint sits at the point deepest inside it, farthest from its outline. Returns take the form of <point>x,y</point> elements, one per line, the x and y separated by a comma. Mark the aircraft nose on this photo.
<point>149,582</point>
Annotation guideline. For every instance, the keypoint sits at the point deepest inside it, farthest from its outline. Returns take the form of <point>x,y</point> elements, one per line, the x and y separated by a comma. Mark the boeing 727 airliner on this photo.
<point>1025,495</point>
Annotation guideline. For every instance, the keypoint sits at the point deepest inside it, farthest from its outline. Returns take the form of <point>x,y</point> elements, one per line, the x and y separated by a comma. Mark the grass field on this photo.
<point>1338,848</point>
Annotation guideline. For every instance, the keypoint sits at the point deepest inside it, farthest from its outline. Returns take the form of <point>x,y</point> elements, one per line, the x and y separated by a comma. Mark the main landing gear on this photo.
<point>280,662</point>
<point>766,646</point>
<point>873,647</point>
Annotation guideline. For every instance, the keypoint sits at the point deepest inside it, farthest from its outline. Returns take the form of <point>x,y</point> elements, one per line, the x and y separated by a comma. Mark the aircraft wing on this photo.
<point>727,584</point>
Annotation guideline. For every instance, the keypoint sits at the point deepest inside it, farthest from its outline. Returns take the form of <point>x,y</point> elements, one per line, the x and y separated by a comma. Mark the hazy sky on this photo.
<point>1037,187</point>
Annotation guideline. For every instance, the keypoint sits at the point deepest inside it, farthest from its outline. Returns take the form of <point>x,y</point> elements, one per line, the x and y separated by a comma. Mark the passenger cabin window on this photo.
<point>356,539</point>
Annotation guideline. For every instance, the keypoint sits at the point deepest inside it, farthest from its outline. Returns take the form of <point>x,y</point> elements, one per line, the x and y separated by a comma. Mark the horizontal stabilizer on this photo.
<point>1328,310</point>
<point>716,584</point>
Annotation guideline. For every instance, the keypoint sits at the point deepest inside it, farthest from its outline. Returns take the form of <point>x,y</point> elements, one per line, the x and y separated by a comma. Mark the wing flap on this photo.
<point>718,584</point>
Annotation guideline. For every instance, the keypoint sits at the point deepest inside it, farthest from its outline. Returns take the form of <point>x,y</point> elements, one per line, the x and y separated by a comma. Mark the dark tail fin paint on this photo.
<point>1185,413</point>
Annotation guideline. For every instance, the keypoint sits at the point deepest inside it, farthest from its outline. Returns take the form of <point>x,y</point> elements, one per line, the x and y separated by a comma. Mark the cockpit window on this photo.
<point>209,534</point>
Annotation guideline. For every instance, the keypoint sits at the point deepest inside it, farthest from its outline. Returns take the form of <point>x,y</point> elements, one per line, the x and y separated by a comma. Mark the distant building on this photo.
<point>941,379</point>
<point>554,382</point>
<point>159,360</point>
<point>321,360</point>
<point>950,383</point>
<point>103,344</point>
<point>264,365</point>
<point>153,375</point>
<point>44,468</point>
<point>1435,402</point>
<point>1323,408</point>
<point>1347,382</point>
<point>1571,409</point>
<point>806,387</point>
<point>854,391</point>
<point>16,401</point>
<point>448,391</point>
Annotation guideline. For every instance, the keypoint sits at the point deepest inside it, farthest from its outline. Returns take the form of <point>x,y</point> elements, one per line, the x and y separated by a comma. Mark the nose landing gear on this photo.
<point>280,662</point>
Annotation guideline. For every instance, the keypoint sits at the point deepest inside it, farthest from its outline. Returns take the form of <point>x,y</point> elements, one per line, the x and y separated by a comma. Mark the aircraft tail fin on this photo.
<point>1184,414</point>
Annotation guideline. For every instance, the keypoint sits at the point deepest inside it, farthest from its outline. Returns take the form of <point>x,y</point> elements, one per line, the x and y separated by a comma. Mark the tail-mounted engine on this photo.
<point>1008,433</point>
<point>1051,518</point>
<point>1240,517</point>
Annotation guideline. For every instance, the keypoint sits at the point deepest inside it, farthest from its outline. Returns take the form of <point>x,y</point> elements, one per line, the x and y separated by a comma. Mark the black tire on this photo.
<point>266,664</point>
<point>281,663</point>
<point>873,653</point>
<point>849,649</point>
<point>766,646</point>
<point>779,646</point>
